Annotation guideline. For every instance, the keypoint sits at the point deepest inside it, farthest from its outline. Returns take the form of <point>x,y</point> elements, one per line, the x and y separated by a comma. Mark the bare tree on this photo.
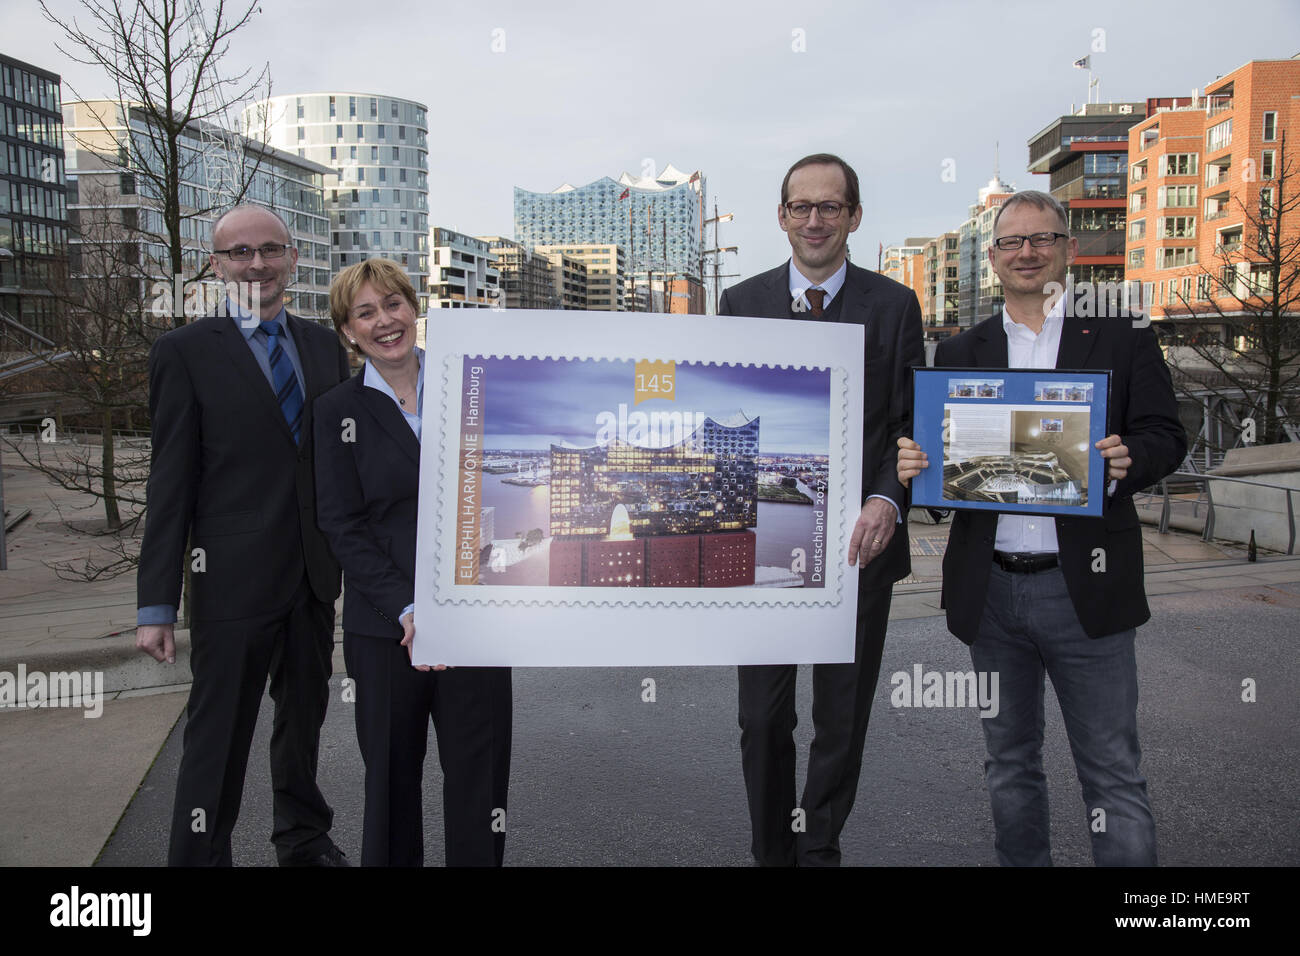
<point>96,365</point>
<point>162,59</point>
<point>1236,338</point>
<point>155,161</point>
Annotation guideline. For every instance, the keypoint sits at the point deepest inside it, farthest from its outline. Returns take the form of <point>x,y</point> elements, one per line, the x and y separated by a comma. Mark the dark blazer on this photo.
<point>891,320</point>
<point>227,477</point>
<point>369,491</point>
<point>1143,412</point>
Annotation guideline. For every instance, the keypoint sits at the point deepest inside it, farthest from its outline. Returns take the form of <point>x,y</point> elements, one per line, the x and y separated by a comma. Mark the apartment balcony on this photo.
<point>1218,106</point>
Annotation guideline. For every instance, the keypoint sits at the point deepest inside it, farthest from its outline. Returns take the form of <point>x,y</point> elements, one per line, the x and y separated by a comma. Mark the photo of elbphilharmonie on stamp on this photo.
<point>642,474</point>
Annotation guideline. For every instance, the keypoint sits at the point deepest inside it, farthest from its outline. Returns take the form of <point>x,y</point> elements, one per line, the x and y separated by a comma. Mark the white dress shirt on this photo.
<point>1031,533</point>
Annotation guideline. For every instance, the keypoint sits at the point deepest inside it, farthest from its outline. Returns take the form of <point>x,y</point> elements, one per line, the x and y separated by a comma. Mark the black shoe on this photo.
<point>332,856</point>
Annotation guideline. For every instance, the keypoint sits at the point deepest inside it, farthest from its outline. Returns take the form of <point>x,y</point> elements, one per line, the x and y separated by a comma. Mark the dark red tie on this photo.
<point>815,299</point>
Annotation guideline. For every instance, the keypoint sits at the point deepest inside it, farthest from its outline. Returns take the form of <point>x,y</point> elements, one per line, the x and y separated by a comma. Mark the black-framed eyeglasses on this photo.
<point>1038,240</point>
<point>827,210</point>
<point>269,250</point>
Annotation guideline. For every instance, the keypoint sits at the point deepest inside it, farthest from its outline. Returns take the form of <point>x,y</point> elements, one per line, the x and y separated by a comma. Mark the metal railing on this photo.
<point>1208,533</point>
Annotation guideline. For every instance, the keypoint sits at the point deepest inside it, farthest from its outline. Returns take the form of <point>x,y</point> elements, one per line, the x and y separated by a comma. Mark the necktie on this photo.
<point>815,299</point>
<point>283,378</point>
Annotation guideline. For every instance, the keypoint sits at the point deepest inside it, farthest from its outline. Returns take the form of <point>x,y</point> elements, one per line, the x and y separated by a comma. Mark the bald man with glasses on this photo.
<point>231,493</point>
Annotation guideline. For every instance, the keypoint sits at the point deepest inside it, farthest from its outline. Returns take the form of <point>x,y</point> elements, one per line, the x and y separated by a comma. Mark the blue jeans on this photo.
<point>1029,628</point>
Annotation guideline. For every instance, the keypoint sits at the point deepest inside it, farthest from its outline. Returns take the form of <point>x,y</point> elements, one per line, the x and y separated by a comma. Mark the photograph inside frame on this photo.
<point>643,474</point>
<point>1016,454</point>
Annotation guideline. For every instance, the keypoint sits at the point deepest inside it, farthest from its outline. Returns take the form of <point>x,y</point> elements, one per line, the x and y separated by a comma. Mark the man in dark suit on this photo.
<point>819,208</point>
<point>231,492</point>
<point>1061,596</point>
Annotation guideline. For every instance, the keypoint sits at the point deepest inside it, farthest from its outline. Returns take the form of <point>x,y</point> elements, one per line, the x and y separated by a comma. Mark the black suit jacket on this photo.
<point>1143,412</point>
<point>227,477</point>
<point>368,490</point>
<point>891,321</point>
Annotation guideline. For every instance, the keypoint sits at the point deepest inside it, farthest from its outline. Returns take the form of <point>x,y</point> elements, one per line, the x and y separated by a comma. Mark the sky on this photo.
<point>531,403</point>
<point>536,95</point>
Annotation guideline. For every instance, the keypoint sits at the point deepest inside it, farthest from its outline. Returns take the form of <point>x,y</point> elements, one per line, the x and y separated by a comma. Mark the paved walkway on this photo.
<point>69,778</point>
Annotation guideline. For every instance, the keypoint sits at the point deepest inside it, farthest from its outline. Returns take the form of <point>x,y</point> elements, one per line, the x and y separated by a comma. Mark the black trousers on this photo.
<point>841,707</point>
<point>471,711</point>
<point>230,661</point>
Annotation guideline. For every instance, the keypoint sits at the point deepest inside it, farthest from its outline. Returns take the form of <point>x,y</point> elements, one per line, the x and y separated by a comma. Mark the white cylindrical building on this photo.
<point>377,148</point>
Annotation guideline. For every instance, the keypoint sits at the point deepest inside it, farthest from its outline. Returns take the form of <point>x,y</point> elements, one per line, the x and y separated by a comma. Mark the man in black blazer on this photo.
<point>231,493</point>
<point>1061,596</point>
<point>819,208</point>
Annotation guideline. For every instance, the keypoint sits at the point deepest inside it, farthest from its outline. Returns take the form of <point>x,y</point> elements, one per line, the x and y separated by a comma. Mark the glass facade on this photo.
<point>594,214</point>
<point>211,162</point>
<point>33,197</point>
<point>377,187</point>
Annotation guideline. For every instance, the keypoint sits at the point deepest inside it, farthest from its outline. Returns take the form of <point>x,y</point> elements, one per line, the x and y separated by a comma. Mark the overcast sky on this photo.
<point>583,90</point>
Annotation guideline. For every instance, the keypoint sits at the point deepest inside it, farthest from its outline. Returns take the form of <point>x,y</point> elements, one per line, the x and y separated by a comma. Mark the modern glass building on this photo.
<point>979,292</point>
<point>656,219</point>
<point>108,147</point>
<point>33,205</point>
<point>377,190</point>
<point>1085,156</point>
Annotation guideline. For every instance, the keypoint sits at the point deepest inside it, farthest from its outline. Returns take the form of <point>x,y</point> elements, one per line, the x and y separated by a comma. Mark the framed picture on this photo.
<point>615,489</point>
<point>1011,440</point>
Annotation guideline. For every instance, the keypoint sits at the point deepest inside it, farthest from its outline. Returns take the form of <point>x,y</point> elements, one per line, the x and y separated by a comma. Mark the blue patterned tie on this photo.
<point>287,391</point>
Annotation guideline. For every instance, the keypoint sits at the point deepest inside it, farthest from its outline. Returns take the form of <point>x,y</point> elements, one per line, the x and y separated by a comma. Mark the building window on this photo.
<point>1138,201</point>
<point>1177,227</point>
<point>126,184</point>
<point>1177,196</point>
<point>333,108</point>
<point>1268,164</point>
<point>352,153</point>
<point>338,132</point>
<point>334,152</point>
<point>394,154</point>
<point>352,107</point>
<point>375,238</point>
<point>1219,137</point>
<point>382,130</point>
<point>1137,258</point>
<point>1203,287</point>
<point>1266,207</point>
<point>394,110</point>
<point>360,132</point>
<point>302,134</point>
<point>1270,126</point>
<point>300,114</point>
<point>401,133</point>
<point>374,154</point>
<point>1174,256</point>
<point>1178,164</point>
<point>383,174</point>
<point>1137,229</point>
<point>1138,171</point>
<point>374,108</point>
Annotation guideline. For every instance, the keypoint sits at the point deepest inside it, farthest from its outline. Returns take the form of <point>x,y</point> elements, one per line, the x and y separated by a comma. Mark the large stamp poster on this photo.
<point>603,489</point>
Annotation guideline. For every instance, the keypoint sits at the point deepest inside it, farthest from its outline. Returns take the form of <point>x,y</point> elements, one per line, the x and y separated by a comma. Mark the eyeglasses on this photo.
<point>1038,240</point>
<point>271,250</point>
<point>827,210</point>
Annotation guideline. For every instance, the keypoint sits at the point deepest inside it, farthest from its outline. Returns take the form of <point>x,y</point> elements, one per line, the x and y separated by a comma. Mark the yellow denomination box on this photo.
<point>655,380</point>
